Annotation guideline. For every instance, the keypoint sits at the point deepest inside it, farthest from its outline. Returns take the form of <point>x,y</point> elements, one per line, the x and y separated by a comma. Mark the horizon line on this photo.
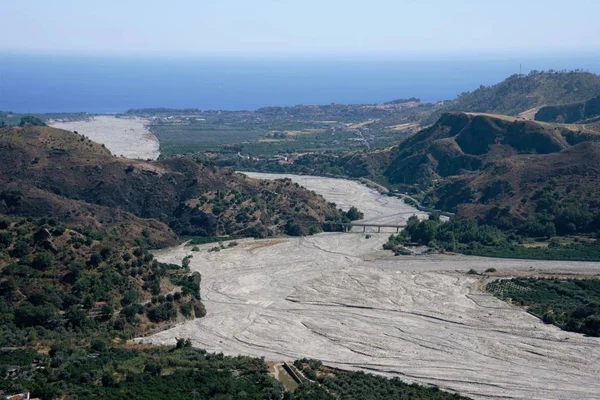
<point>396,55</point>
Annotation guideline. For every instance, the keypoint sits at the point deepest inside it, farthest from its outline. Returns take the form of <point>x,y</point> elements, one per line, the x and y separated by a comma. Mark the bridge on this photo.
<point>348,226</point>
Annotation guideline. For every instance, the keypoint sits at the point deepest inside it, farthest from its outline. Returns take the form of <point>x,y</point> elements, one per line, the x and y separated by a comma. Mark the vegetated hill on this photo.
<point>359,164</point>
<point>505,171</point>
<point>59,281</point>
<point>580,112</point>
<point>562,188</point>
<point>54,173</point>
<point>519,93</point>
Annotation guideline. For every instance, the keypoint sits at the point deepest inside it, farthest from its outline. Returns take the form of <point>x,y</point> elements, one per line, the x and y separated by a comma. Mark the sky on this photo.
<point>302,27</point>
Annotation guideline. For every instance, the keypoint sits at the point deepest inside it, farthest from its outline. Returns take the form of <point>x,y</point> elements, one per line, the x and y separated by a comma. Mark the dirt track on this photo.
<point>340,299</point>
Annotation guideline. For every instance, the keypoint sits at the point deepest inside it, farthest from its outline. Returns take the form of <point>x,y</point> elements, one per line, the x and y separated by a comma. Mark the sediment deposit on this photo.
<point>339,298</point>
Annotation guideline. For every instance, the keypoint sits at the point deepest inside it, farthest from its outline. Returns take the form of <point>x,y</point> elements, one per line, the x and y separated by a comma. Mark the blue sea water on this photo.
<point>67,83</point>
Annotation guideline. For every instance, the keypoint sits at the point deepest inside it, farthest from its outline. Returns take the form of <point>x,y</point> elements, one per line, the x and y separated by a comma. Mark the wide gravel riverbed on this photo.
<point>127,137</point>
<point>339,298</point>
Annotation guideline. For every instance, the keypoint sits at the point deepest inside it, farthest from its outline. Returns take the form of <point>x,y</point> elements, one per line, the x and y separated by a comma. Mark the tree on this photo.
<point>353,214</point>
<point>77,317</point>
<point>183,343</point>
<point>5,239</point>
<point>425,232</point>
<point>20,249</point>
<point>43,260</point>
<point>162,312</point>
<point>292,228</point>
<point>591,325</point>
<point>30,120</point>
<point>108,380</point>
<point>106,312</point>
<point>88,302</point>
<point>95,259</point>
<point>98,345</point>
<point>29,315</point>
<point>153,369</point>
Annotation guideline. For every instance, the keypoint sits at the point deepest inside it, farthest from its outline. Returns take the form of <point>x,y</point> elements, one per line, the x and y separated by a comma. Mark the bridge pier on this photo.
<point>378,229</point>
<point>364,229</point>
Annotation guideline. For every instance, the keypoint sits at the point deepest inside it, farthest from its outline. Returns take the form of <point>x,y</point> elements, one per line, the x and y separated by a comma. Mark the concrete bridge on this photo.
<point>348,226</point>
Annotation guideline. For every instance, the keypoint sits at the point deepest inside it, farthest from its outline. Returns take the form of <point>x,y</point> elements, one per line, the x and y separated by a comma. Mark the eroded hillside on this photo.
<point>50,172</point>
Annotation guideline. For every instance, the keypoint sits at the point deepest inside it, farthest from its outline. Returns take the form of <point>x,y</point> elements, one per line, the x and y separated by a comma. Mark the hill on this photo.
<point>77,279</point>
<point>76,224</point>
<point>48,172</point>
<point>519,93</point>
<point>58,280</point>
<point>580,112</point>
<point>504,171</point>
<point>562,188</point>
<point>463,142</point>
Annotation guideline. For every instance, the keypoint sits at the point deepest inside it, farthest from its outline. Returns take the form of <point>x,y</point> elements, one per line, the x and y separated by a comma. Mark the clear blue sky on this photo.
<point>267,27</point>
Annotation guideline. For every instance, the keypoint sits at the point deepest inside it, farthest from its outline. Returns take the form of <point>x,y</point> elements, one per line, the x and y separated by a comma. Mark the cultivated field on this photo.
<point>126,137</point>
<point>339,298</point>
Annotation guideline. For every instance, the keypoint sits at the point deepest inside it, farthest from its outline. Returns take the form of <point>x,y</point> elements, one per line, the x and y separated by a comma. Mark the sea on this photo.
<point>54,83</point>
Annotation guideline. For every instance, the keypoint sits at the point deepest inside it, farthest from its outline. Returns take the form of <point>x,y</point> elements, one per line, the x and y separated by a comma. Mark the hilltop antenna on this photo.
<point>521,69</point>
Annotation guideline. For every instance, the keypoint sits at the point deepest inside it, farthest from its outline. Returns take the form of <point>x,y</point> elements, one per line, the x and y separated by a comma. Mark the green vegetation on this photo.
<point>267,132</point>
<point>332,224</point>
<point>581,112</point>
<point>149,112</point>
<point>562,208</point>
<point>473,238</point>
<point>571,304</point>
<point>58,281</point>
<point>100,370</point>
<point>83,182</point>
<point>519,93</point>
<point>30,120</point>
<point>331,383</point>
<point>353,214</point>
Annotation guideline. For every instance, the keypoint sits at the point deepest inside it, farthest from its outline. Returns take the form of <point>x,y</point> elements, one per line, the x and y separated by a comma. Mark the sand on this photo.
<point>127,137</point>
<point>339,298</point>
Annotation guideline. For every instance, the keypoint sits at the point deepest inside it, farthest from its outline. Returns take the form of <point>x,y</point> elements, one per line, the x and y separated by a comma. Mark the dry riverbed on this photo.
<point>127,137</point>
<point>339,298</point>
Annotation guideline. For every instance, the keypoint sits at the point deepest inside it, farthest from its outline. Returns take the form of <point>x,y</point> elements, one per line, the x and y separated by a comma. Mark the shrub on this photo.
<point>20,249</point>
<point>5,239</point>
<point>43,260</point>
<point>98,345</point>
<point>353,214</point>
<point>162,312</point>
